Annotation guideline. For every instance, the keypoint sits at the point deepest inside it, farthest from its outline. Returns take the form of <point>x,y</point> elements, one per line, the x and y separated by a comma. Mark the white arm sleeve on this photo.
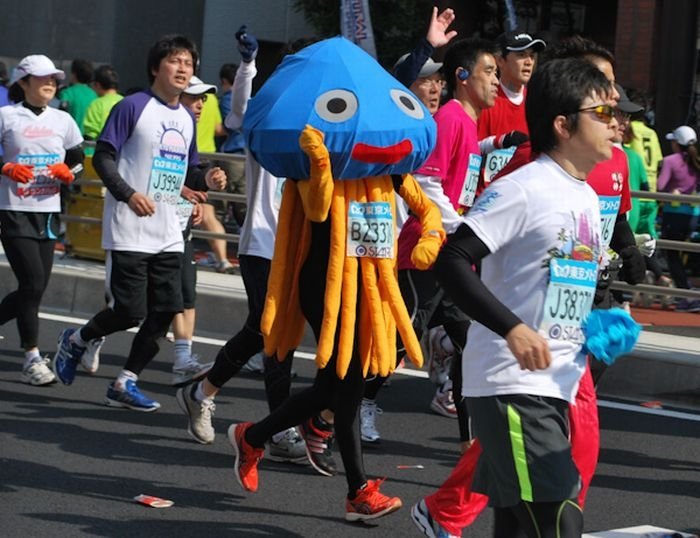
<point>432,186</point>
<point>240,93</point>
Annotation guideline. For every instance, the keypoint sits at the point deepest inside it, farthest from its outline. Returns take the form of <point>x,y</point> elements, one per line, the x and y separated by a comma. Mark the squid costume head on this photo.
<point>338,124</point>
<point>372,124</point>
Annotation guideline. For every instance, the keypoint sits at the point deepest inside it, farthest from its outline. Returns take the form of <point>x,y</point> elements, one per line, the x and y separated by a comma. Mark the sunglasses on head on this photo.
<point>604,113</point>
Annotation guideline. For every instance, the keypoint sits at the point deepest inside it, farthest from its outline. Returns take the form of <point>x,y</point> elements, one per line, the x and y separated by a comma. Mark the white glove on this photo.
<point>646,244</point>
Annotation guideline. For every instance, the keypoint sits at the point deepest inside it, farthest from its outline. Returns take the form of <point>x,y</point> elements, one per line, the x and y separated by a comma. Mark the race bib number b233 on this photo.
<point>370,230</point>
<point>569,299</point>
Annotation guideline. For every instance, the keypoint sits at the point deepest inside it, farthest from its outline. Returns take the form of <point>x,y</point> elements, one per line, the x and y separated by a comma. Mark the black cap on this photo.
<point>516,41</point>
<point>625,104</point>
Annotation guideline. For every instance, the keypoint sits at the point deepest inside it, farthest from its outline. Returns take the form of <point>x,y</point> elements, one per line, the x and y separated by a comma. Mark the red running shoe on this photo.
<point>247,457</point>
<point>369,503</point>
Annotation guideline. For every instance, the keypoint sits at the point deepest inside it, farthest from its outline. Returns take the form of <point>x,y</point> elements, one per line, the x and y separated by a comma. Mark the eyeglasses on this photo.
<point>429,82</point>
<point>604,113</point>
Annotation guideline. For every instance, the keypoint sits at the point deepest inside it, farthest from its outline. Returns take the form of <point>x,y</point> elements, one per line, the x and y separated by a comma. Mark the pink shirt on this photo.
<point>457,139</point>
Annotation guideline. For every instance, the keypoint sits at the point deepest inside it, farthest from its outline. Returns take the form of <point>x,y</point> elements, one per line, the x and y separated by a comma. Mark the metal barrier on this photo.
<point>684,246</point>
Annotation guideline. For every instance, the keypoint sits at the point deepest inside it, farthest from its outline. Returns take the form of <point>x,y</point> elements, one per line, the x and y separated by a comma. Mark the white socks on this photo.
<point>183,352</point>
<point>31,356</point>
<point>123,377</point>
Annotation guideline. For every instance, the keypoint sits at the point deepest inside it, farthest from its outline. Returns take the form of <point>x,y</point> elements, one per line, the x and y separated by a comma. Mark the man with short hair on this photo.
<point>537,235</point>
<point>145,154</point>
<point>76,98</point>
<point>105,84</point>
<point>503,128</point>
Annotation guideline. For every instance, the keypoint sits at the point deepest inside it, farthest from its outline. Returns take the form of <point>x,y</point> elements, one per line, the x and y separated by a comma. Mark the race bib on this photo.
<point>42,184</point>
<point>609,208</point>
<point>496,161</point>
<point>370,230</point>
<point>471,181</point>
<point>569,299</point>
<point>167,178</point>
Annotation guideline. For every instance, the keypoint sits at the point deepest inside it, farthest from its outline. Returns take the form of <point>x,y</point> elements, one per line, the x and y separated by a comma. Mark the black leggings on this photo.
<point>539,520</point>
<point>144,347</point>
<point>328,391</point>
<point>31,261</point>
<point>248,341</point>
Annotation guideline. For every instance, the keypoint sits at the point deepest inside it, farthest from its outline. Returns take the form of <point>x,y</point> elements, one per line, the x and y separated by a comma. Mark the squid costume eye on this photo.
<point>336,106</point>
<point>407,104</point>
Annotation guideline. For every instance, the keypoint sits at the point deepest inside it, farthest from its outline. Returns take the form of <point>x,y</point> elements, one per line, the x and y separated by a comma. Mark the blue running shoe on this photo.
<point>425,522</point>
<point>67,357</point>
<point>131,398</point>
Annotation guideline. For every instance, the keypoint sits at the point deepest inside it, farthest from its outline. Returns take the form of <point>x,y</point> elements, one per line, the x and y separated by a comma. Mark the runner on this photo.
<point>143,156</point>
<point>523,359</point>
<point>40,146</point>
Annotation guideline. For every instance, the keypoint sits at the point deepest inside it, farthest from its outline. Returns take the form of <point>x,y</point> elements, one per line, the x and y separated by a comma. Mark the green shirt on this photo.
<point>75,99</point>
<point>206,126</point>
<point>96,114</point>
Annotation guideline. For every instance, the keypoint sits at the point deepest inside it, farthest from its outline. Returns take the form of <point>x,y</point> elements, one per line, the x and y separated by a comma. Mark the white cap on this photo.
<point>430,67</point>
<point>37,65</point>
<point>197,87</point>
<point>684,135</point>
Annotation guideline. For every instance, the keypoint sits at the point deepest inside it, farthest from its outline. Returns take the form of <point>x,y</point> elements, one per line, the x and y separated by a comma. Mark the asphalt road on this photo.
<point>69,466</point>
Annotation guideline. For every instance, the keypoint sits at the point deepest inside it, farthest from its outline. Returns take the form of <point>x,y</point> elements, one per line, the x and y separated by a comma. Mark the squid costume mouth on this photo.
<point>393,154</point>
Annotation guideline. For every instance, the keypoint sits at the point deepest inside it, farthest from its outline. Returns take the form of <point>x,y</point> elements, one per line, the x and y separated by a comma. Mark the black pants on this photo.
<point>328,391</point>
<point>677,227</point>
<point>31,261</point>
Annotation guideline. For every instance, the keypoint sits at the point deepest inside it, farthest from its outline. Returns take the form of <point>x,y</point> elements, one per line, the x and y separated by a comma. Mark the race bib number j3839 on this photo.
<point>569,299</point>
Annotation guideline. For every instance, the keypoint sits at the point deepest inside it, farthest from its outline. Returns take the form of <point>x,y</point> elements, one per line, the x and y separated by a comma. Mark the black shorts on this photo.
<point>41,226</point>
<point>138,283</point>
<point>189,276</point>
<point>526,449</point>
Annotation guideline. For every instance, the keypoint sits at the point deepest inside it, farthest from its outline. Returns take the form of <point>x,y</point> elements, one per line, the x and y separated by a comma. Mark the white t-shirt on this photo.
<point>533,221</point>
<point>263,190</point>
<point>39,140</point>
<point>155,144</point>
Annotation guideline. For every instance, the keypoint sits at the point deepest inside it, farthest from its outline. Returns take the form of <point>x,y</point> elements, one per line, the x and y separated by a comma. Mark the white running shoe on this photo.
<point>443,402</point>
<point>90,360</point>
<point>38,373</point>
<point>287,446</point>
<point>192,370</point>
<point>368,428</point>
<point>199,415</point>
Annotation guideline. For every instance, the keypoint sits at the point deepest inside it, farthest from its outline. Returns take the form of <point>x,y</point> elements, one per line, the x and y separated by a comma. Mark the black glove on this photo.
<point>247,44</point>
<point>514,138</point>
<point>633,265</point>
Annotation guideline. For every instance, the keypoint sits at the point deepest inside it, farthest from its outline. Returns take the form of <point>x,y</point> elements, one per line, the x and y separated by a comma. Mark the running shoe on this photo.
<point>38,373</point>
<point>90,361</point>
<point>287,447</point>
<point>368,416</point>
<point>443,402</point>
<point>198,414</point>
<point>131,398</point>
<point>67,357</point>
<point>247,457</point>
<point>192,370</point>
<point>255,364</point>
<point>319,446</point>
<point>425,522</point>
<point>688,305</point>
<point>369,503</point>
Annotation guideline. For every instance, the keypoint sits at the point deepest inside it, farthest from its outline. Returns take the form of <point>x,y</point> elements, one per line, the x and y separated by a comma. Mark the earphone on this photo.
<point>462,74</point>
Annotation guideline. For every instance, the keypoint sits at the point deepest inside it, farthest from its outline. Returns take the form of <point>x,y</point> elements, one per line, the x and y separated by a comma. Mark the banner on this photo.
<point>356,24</point>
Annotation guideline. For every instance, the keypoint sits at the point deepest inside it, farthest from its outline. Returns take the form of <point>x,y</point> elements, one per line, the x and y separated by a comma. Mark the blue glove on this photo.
<point>247,44</point>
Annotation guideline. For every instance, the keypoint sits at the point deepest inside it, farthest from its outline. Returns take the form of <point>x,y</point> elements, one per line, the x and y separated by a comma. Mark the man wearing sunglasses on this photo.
<point>537,235</point>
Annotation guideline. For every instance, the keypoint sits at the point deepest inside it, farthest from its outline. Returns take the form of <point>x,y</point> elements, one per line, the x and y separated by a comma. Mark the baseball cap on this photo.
<point>516,41</point>
<point>625,104</point>
<point>684,135</point>
<point>37,65</point>
<point>430,67</point>
<point>197,87</point>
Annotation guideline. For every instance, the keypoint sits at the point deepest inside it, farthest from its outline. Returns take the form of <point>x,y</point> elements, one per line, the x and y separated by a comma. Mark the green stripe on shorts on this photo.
<point>517,443</point>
